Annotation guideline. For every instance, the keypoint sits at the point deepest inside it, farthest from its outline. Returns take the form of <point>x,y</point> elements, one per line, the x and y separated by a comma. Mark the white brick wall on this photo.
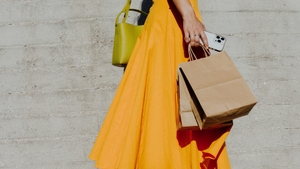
<point>56,80</point>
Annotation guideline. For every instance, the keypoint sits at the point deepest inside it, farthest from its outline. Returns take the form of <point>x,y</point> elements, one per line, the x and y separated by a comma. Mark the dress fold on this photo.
<point>139,131</point>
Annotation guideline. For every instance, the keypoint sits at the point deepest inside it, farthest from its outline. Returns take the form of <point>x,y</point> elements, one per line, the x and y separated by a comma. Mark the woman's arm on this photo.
<point>193,28</point>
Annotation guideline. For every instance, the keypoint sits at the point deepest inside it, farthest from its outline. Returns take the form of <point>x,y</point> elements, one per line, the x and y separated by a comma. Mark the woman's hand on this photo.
<point>193,28</point>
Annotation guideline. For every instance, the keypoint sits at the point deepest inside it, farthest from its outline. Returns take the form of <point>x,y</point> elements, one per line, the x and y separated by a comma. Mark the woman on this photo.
<point>139,131</point>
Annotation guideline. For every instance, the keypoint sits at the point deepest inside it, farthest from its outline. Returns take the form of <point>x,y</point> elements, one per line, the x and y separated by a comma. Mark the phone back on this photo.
<point>215,42</point>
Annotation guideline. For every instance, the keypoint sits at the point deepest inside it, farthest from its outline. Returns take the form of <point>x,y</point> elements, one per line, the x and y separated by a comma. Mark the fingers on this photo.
<point>192,38</point>
<point>194,32</point>
<point>187,38</point>
<point>204,39</point>
<point>195,39</point>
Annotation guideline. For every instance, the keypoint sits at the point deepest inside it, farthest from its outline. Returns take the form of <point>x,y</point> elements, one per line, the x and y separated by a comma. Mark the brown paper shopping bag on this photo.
<point>187,120</point>
<point>216,90</point>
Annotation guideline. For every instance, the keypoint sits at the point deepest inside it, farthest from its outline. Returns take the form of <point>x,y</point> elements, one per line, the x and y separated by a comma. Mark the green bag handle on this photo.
<point>125,10</point>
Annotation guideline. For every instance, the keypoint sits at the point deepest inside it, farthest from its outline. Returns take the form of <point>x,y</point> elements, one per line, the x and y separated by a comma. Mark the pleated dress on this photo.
<point>139,131</point>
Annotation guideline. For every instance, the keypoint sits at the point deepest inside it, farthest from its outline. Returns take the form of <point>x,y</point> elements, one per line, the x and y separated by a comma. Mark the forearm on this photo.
<point>185,8</point>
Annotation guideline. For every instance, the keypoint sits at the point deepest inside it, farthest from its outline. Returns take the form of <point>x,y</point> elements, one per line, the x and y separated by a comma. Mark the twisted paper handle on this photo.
<point>193,56</point>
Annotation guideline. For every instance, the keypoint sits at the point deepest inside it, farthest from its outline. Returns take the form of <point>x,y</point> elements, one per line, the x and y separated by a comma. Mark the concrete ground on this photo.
<point>57,82</point>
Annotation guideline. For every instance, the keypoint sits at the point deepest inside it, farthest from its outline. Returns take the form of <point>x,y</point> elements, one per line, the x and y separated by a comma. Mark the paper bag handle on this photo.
<point>193,56</point>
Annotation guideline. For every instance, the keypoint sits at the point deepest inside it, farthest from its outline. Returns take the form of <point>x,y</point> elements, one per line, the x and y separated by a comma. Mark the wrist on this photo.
<point>188,13</point>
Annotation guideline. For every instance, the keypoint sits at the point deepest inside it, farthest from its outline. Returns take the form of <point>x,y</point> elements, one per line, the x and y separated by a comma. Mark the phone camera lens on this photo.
<point>222,38</point>
<point>219,41</point>
<point>218,37</point>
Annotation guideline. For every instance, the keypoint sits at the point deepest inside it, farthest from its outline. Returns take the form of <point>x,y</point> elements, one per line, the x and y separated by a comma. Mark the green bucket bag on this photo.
<point>126,35</point>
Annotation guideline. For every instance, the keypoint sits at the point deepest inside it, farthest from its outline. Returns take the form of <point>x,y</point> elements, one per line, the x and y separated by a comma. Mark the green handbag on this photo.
<point>125,38</point>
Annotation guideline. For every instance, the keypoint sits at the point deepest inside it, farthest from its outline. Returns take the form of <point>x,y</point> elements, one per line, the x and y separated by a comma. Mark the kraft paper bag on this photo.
<point>216,90</point>
<point>187,120</point>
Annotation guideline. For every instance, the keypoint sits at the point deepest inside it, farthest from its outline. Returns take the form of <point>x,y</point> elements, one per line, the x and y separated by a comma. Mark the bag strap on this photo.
<point>193,56</point>
<point>126,10</point>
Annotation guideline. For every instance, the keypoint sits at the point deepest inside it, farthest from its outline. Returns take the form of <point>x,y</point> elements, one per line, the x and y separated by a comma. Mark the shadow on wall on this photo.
<point>146,4</point>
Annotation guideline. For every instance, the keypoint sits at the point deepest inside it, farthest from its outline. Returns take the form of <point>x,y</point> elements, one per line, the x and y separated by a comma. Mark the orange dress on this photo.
<point>139,131</point>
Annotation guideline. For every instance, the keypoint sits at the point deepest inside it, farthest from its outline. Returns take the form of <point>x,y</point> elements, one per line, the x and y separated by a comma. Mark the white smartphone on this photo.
<point>215,42</point>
